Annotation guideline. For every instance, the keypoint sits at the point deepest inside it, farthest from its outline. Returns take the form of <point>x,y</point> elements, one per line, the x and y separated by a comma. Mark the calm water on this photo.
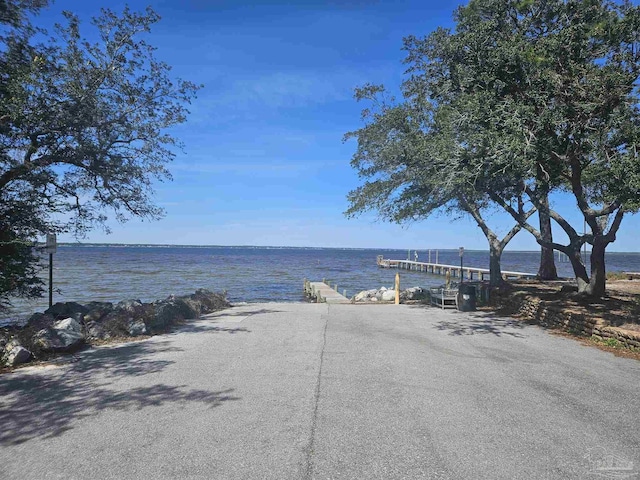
<point>250,274</point>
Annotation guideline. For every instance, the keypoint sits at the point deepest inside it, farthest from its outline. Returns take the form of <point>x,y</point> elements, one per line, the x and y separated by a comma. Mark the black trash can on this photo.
<point>466,297</point>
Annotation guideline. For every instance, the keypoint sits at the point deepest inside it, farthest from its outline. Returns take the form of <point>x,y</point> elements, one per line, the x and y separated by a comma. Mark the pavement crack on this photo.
<point>308,470</point>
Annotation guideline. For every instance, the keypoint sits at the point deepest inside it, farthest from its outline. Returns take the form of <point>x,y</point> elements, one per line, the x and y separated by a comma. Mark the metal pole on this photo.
<point>585,243</point>
<point>50,279</point>
<point>461,274</point>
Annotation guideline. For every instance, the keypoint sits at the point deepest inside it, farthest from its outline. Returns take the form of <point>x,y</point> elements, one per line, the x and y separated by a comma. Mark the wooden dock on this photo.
<point>320,292</point>
<point>454,270</point>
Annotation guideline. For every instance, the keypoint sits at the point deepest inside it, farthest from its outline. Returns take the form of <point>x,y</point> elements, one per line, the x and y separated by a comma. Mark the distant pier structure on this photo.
<point>454,270</point>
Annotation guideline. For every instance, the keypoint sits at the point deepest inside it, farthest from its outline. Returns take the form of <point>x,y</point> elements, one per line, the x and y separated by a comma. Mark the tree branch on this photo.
<point>613,230</point>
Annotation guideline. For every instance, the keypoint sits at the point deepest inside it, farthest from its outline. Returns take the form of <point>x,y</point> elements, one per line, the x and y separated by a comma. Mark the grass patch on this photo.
<point>612,342</point>
<point>617,276</point>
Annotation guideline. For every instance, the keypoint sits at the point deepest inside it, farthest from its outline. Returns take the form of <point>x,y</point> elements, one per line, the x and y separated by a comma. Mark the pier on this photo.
<point>321,292</point>
<point>454,270</point>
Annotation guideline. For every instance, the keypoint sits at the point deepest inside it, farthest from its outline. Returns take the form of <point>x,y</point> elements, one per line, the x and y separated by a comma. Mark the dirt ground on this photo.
<point>625,297</point>
<point>631,287</point>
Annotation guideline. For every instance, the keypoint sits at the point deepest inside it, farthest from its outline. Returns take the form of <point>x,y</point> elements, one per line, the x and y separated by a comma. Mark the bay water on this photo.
<point>84,273</point>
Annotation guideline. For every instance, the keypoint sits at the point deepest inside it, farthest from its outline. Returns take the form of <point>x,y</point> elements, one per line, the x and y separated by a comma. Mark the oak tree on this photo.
<point>538,98</point>
<point>415,165</point>
<point>561,79</point>
<point>84,127</point>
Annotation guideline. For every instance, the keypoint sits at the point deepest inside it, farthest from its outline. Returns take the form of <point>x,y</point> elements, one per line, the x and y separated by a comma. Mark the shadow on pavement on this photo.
<point>44,405</point>
<point>479,324</point>
<point>240,313</point>
<point>191,328</point>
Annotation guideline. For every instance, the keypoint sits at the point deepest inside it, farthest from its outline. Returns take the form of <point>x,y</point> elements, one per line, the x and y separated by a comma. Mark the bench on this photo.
<point>444,297</point>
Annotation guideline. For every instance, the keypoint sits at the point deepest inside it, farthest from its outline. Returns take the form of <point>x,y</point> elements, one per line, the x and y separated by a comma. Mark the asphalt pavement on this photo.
<point>317,391</point>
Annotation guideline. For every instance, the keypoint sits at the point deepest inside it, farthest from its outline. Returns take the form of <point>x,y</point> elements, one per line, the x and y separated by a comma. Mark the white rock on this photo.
<point>68,324</point>
<point>388,295</point>
<point>16,356</point>
<point>365,295</point>
<point>137,327</point>
<point>64,335</point>
<point>361,296</point>
<point>413,293</point>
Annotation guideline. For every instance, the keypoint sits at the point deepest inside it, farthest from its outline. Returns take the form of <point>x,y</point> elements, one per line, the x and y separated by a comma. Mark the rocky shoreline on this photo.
<point>66,327</point>
<point>384,294</point>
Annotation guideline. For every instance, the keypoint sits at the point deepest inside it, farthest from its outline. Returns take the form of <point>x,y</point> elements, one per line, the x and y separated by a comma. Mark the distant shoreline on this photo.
<point>274,247</point>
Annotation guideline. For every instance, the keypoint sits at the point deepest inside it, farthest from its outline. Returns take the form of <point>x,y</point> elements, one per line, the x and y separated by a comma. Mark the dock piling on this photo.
<point>397,289</point>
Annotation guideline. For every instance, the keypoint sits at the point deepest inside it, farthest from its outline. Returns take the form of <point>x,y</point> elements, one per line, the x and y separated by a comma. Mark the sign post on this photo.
<point>461,252</point>
<point>50,248</point>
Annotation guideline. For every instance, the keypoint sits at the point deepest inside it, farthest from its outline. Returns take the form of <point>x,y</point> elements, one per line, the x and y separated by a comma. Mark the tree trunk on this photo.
<point>495,270</point>
<point>597,285</point>
<point>580,271</point>
<point>547,269</point>
<point>496,246</point>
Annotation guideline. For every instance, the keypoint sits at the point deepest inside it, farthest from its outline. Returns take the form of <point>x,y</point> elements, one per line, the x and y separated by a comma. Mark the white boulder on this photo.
<point>63,335</point>
<point>136,328</point>
<point>15,354</point>
<point>388,296</point>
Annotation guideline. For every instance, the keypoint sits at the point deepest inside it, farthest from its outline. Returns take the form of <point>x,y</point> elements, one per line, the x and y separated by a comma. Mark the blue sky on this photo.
<point>264,162</point>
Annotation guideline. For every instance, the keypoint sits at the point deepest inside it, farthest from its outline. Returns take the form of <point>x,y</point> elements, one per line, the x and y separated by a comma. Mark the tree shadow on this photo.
<point>418,305</point>
<point>195,328</point>
<point>36,404</point>
<point>240,313</point>
<point>479,324</point>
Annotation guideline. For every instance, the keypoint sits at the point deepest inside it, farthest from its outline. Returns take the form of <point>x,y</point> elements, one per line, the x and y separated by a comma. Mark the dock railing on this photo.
<point>454,270</point>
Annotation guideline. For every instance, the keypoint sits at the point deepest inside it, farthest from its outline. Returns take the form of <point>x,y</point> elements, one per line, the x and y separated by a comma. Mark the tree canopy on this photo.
<point>541,97</point>
<point>83,126</point>
<point>416,164</point>
<point>562,79</point>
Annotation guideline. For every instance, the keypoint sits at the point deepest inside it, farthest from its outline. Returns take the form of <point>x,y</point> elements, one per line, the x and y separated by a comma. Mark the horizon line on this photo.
<point>118,244</point>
